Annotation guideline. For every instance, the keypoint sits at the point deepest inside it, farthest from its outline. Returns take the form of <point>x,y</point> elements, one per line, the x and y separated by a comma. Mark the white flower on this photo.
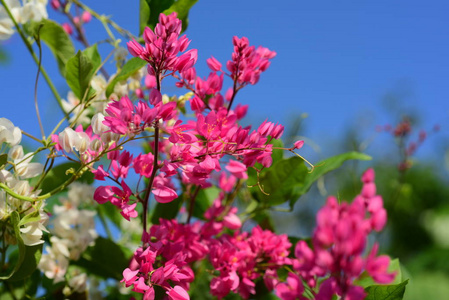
<point>120,54</point>
<point>6,25</point>
<point>60,246</point>
<point>26,169</point>
<point>9,133</point>
<point>78,282</point>
<point>70,139</point>
<point>53,265</point>
<point>32,233</point>
<point>97,124</point>
<point>121,88</point>
<point>16,152</point>
<point>34,10</point>
<point>80,193</point>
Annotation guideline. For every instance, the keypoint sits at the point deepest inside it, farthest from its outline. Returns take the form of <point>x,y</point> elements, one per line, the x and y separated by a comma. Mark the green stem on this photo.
<point>105,21</point>
<point>36,60</point>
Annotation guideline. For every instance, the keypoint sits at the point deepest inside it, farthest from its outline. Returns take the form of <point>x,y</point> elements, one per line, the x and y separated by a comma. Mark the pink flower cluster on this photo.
<point>240,259</point>
<point>243,258</point>
<point>186,154</point>
<point>163,260</point>
<point>339,242</point>
<point>163,45</point>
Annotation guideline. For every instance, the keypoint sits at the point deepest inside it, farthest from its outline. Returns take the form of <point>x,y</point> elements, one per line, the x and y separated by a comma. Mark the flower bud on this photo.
<point>213,64</point>
<point>97,124</point>
<point>95,145</point>
<point>86,17</point>
<point>109,137</point>
<point>298,144</point>
<point>55,4</point>
<point>67,28</point>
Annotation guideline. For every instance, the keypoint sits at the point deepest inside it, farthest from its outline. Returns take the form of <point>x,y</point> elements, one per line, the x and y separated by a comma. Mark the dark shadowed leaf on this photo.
<point>105,259</point>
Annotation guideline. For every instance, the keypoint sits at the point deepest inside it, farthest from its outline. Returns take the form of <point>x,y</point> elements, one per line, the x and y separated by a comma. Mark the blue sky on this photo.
<point>336,61</point>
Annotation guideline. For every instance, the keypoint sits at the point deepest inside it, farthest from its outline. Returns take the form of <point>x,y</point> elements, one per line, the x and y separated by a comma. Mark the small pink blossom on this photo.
<point>237,169</point>
<point>213,64</point>
<point>298,144</point>
<point>164,194</point>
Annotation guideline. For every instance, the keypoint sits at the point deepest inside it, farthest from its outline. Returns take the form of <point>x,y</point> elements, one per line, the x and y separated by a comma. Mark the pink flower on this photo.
<point>368,176</point>
<point>213,64</point>
<point>100,173</point>
<point>155,97</point>
<point>177,133</point>
<point>103,194</point>
<point>143,164</point>
<point>86,17</point>
<point>290,290</point>
<point>377,267</point>
<point>129,276</point>
<point>55,4</point>
<point>298,144</point>
<point>67,28</point>
<point>164,194</point>
<point>178,293</point>
<point>128,211</point>
<point>232,221</point>
<point>237,169</point>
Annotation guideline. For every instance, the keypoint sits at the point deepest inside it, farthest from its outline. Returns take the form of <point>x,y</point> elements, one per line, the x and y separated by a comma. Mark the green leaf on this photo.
<point>55,37</point>
<point>264,220</point>
<point>280,180</point>
<point>57,176</point>
<point>3,160</point>
<point>4,57</point>
<point>322,168</point>
<point>201,282</point>
<point>15,219</point>
<point>262,293</point>
<point>132,66</point>
<point>166,210</point>
<point>32,257</point>
<point>152,10</point>
<point>21,289</point>
<point>204,200</point>
<point>277,154</point>
<point>144,15</point>
<point>94,57</point>
<point>105,259</point>
<point>32,217</point>
<point>79,72</point>
<point>386,292</point>
<point>182,7</point>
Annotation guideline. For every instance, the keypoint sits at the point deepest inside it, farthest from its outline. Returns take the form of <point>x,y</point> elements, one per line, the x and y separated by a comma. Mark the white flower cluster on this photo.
<point>81,142</point>
<point>31,10</point>
<point>73,230</point>
<point>13,174</point>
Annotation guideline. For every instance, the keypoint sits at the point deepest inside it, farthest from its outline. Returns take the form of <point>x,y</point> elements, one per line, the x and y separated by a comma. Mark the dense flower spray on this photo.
<point>194,147</point>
